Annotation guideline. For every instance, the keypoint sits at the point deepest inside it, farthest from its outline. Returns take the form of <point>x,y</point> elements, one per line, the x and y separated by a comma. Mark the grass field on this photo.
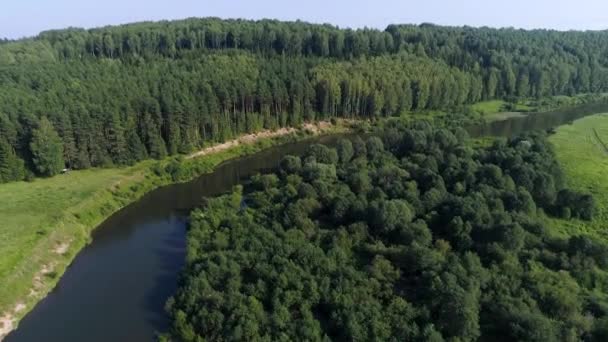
<point>40,216</point>
<point>583,157</point>
<point>46,222</point>
<point>495,110</point>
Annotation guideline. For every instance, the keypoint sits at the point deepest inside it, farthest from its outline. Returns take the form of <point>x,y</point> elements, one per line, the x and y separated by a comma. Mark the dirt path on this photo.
<point>7,323</point>
<point>62,248</point>
<point>252,138</point>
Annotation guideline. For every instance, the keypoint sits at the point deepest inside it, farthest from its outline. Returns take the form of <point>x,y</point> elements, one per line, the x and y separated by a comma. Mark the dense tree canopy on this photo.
<point>411,236</point>
<point>117,95</point>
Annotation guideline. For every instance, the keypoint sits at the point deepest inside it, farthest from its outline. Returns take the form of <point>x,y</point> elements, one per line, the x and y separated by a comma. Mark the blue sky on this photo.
<point>20,18</point>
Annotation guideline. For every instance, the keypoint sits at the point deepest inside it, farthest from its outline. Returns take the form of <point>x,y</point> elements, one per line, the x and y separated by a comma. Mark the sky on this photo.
<point>22,18</point>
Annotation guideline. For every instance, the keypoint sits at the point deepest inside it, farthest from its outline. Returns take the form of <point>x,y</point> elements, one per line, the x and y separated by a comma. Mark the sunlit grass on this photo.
<point>496,110</point>
<point>489,107</point>
<point>585,164</point>
<point>38,216</point>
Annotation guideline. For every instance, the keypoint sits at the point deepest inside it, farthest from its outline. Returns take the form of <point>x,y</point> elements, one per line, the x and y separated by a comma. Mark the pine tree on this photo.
<point>115,137</point>
<point>135,149</point>
<point>11,167</point>
<point>47,149</point>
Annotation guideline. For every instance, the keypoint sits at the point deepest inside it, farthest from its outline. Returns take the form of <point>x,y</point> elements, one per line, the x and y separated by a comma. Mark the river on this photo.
<point>116,288</point>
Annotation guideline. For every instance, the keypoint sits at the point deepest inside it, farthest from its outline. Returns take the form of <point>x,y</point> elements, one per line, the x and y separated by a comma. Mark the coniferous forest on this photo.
<point>409,236</point>
<point>116,95</point>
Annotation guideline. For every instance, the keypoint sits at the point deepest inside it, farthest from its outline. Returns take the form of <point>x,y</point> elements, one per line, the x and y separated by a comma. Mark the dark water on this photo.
<point>116,288</point>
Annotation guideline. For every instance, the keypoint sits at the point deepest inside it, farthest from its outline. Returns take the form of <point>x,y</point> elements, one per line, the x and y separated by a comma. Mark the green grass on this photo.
<point>497,106</point>
<point>489,107</point>
<point>496,110</point>
<point>38,216</point>
<point>29,209</point>
<point>585,164</point>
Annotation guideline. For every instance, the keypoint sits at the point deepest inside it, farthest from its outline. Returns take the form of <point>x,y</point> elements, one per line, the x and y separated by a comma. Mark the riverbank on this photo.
<point>580,150</point>
<point>314,129</point>
<point>49,221</point>
<point>499,110</point>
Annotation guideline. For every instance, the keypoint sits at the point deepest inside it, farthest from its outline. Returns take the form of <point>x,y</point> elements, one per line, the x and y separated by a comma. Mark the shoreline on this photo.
<point>315,129</point>
<point>86,217</point>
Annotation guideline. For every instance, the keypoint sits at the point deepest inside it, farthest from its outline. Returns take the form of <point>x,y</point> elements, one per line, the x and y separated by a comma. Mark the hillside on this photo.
<point>112,96</point>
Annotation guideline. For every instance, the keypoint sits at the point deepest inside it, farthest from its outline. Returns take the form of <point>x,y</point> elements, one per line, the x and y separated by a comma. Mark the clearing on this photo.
<point>581,152</point>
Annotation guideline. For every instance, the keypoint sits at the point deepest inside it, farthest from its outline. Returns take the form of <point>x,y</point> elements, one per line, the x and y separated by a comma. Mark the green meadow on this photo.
<point>496,106</point>
<point>581,151</point>
<point>41,218</point>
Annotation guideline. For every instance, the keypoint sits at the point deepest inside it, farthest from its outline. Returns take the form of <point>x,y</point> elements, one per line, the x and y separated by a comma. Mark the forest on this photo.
<point>116,95</point>
<point>410,235</point>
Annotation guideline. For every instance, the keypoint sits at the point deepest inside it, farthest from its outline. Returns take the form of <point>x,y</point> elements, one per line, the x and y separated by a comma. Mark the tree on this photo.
<point>345,150</point>
<point>523,84</point>
<point>190,82</point>
<point>12,168</point>
<point>117,143</point>
<point>323,154</point>
<point>458,313</point>
<point>295,253</point>
<point>291,164</point>
<point>374,147</point>
<point>47,149</point>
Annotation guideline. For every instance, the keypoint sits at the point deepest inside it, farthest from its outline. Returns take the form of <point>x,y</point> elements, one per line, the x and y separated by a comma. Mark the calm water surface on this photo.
<point>116,288</point>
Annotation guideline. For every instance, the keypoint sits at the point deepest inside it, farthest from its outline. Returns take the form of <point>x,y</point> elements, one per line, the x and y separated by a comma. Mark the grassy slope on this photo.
<point>36,218</point>
<point>40,216</point>
<point>488,107</point>
<point>585,163</point>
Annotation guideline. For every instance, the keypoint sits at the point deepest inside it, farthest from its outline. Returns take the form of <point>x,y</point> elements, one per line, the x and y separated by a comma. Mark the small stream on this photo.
<point>116,288</point>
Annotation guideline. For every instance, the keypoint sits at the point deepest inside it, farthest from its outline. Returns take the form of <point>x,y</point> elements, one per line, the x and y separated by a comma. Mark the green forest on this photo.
<point>113,96</point>
<point>409,235</point>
